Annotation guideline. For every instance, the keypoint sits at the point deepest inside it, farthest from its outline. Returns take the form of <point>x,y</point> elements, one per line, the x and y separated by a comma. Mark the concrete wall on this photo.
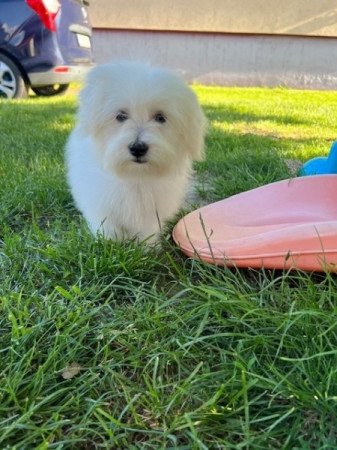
<point>285,17</point>
<point>257,45</point>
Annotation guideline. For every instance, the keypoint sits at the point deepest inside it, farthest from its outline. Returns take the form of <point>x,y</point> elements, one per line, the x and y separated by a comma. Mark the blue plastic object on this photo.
<point>321,165</point>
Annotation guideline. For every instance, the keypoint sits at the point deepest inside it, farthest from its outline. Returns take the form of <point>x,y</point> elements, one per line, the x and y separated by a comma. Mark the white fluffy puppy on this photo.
<point>130,155</point>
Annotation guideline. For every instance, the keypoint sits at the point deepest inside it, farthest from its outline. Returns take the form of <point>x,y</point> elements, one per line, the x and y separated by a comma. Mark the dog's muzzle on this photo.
<point>138,149</point>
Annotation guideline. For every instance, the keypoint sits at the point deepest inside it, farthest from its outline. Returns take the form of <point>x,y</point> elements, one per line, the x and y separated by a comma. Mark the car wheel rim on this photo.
<point>7,81</point>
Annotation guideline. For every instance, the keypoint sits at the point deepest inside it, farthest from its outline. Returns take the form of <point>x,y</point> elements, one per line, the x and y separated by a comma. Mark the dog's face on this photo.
<point>144,121</point>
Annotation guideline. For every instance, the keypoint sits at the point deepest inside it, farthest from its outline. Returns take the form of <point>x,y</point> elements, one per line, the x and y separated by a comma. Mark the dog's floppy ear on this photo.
<point>91,114</point>
<point>195,128</point>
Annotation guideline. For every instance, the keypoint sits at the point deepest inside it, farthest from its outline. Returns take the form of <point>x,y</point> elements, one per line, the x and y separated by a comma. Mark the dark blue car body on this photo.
<point>46,60</point>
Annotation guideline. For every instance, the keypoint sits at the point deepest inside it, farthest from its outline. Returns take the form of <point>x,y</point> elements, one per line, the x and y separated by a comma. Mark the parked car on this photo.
<point>44,45</point>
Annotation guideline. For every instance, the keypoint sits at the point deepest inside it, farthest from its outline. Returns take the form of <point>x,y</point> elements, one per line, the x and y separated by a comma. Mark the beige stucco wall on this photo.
<point>280,17</point>
<point>229,60</point>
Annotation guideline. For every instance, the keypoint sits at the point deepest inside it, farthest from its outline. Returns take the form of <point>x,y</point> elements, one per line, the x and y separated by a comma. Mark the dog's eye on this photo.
<point>159,117</point>
<point>122,116</point>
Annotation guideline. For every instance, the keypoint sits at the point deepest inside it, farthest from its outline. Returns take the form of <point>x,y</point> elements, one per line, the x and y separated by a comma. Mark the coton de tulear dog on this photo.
<point>130,155</point>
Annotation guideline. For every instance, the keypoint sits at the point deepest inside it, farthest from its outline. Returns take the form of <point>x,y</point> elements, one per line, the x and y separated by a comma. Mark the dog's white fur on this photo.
<point>119,195</point>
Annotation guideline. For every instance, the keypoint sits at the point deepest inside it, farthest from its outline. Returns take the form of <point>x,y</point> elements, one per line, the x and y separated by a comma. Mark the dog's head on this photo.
<point>143,120</point>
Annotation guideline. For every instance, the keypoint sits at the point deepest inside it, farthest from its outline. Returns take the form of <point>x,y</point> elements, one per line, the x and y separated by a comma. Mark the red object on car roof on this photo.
<point>47,10</point>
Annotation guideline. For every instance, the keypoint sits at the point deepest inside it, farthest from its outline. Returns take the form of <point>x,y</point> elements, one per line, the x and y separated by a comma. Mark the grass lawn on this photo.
<point>110,345</point>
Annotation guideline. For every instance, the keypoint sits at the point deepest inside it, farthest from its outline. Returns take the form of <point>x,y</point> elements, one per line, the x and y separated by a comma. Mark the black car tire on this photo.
<point>52,89</point>
<point>12,83</point>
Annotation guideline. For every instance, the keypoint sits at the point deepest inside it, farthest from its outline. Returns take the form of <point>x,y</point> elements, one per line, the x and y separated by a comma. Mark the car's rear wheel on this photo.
<point>12,83</point>
<point>52,89</point>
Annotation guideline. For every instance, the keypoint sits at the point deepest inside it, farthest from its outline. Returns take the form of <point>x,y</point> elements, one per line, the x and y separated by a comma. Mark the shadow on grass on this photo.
<point>227,113</point>
<point>33,137</point>
<point>36,115</point>
<point>237,161</point>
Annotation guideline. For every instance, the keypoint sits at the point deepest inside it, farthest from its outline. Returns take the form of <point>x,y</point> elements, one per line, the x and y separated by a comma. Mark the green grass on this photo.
<point>112,345</point>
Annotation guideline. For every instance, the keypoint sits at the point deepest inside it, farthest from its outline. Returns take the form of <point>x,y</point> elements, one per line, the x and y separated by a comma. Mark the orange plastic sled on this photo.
<point>283,225</point>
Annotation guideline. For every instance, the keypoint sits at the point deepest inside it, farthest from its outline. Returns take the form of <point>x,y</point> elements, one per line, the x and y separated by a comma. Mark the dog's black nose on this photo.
<point>138,149</point>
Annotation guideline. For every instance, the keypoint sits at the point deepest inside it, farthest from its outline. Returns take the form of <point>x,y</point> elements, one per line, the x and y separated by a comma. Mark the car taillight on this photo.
<point>61,69</point>
<point>47,10</point>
